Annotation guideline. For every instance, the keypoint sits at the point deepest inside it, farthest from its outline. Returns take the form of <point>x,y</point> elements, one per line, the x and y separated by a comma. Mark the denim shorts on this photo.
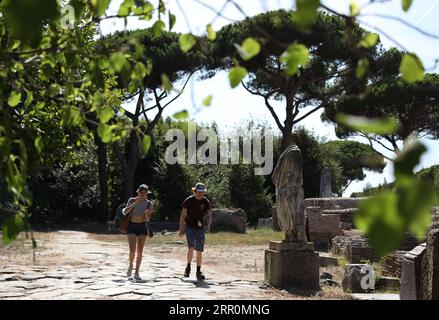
<point>138,229</point>
<point>195,239</point>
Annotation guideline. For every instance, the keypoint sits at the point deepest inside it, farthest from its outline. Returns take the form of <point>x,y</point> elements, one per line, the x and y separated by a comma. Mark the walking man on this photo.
<point>195,219</point>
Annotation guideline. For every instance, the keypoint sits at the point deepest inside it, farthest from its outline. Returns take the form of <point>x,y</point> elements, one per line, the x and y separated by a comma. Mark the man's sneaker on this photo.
<point>129,271</point>
<point>137,276</point>
<point>187,272</point>
<point>200,276</point>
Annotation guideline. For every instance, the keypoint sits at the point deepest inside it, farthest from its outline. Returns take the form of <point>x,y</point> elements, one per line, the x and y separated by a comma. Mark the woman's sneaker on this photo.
<point>129,271</point>
<point>137,276</point>
<point>187,272</point>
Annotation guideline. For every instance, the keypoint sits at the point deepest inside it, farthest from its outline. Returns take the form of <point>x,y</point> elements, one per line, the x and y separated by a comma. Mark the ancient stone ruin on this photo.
<point>420,270</point>
<point>229,219</point>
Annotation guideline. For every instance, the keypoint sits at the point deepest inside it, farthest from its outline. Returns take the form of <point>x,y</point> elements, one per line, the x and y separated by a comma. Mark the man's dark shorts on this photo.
<point>138,229</point>
<point>195,239</point>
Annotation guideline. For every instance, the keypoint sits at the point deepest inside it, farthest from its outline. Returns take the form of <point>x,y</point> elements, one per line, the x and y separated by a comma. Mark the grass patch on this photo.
<point>253,237</point>
<point>256,237</point>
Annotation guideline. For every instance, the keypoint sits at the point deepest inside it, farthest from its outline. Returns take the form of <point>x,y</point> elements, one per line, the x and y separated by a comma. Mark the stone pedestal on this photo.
<point>292,266</point>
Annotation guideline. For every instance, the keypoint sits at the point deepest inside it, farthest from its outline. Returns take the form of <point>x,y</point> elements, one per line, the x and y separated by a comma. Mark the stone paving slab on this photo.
<point>101,275</point>
<point>375,296</point>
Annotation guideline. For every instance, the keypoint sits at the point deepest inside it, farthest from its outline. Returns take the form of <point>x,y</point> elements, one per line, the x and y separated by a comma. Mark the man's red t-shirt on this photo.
<point>196,209</point>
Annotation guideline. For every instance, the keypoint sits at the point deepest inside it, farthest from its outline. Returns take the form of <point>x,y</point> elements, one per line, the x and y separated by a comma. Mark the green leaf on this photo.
<point>411,68</point>
<point>145,9</point>
<point>211,34</point>
<point>186,42</point>
<point>414,206</point>
<point>369,125</point>
<point>296,55</point>
<point>139,72</point>
<point>172,20</point>
<point>29,99</point>
<point>145,145</point>
<point>125,8</point>
<point>207,101</point>
<point>354,8</point>
<point>236,75</point>
<point>369,40</point>
<point>249,48</point>
<point>362,68</point>
<point>11,228</point>
<point>378,218</point>
<point>409,157</point>
<point>38,144</point>
<point>14,99</point>
<point>71,117</point>
<point>306,12</point>
<point>158,28</point>
<point>181,115</point>
<point>25,19</point>
<point>79,8</point>
<point>166,83</point>
<point>406,4</point>
<point>118,61</point>
<point>100,6</point>
<point>106,114</point>
<point>104,132</point>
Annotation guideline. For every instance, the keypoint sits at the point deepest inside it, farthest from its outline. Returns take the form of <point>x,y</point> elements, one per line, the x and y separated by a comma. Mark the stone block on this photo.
<point>229,219</point>
<point>358,278</point>
<point>265,223</point>
<point>292,266</point>
<point>387,283</point>
<point>325,261</point>
<point>322,228</point>
<point>332,203</point>
<point>411,285</point>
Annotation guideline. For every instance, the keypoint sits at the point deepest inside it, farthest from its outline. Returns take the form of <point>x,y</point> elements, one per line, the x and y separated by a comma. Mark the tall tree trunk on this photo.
<point>131,166</point>
<point>287,139</point>
<point>287,132</point>
<point>103,178</point>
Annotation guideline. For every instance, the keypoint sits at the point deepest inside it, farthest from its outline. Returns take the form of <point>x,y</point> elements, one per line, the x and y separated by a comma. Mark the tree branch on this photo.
<point>267,104</point>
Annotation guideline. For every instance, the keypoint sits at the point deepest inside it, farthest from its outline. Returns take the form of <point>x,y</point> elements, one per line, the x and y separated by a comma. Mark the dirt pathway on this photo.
<point>74,265</point>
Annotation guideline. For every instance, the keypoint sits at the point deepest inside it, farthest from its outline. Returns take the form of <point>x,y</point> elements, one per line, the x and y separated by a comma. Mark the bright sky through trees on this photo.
<point>229,106</point>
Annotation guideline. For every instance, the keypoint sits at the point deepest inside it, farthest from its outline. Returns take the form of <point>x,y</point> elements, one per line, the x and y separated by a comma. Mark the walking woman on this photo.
<point>140,210</point>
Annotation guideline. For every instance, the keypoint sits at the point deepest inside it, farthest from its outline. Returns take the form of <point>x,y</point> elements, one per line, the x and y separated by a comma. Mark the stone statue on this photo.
<point>287,177</point>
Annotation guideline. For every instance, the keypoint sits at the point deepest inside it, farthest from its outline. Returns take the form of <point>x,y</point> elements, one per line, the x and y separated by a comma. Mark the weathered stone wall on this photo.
<point>391,264</point>
<point>332,203</point>
<point>430,267</point>
<point>346,215</point>
<point>322,227</point>
<point>355,249</point>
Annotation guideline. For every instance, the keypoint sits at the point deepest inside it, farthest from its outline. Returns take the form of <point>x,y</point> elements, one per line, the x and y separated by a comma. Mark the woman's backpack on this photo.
<point>120,221</point>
